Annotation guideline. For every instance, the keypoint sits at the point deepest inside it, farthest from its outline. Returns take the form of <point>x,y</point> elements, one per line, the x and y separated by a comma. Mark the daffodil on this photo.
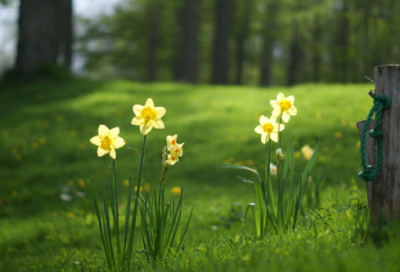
<point>148,116</point>
<point>268,128</point>
<point>107,141</point>
<point>171,140</point>
<point>173,158</point>
<point>176,149</point>
<point>283,107</point>
<point>273,169</point>
<point>307,152</point>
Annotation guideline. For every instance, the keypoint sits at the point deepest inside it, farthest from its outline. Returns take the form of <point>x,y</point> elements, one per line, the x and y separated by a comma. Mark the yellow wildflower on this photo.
<point>176,190</point>
<point>146,187</point>
<point>148,116</point>
<point>268,128</point>
<point>283,107</point>
<point>108,141</point>
<point>338,134</point>
<point>307,152</point>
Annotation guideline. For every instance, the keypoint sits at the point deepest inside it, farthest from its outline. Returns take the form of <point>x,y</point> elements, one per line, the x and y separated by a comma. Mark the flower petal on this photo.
<point>119,142</point>
<point>158,123</point>
<point>276,112</point>
<point>274,104</point>
<point>101,151</point>
<point>160,111</point>
<point>113,154</point>
<point>274,136</point>
<point>263,120</point>
<point>264,138</point>
<point>280,97</point>
<point>145,128</point>
<point>259,130</point>
<point>290,99</point>
<point>137,109</point>
<point>137,121</point>
<point>285,117</point>
<point>149,103</point>
<point>103,130</point>
<point>95,140</point>
<point>292,110</point>
<point>114,132</point>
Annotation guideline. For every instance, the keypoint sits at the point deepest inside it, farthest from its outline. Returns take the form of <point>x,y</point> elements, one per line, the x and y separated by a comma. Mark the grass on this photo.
<point>45,150</point>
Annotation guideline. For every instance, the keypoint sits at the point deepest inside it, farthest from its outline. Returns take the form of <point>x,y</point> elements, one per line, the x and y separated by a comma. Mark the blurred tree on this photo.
<point>45,34</point>
<point>268,36</point>
<point>242,22</point>
<point>187,51</point>
<point>224,9</point>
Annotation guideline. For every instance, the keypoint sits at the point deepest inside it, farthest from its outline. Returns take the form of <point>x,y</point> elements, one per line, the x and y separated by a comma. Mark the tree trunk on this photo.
<point>295,56</point>
<point>45,33</point>
<point>221,42</point>
<point>316,51</point>
<point>340,53</point>
<point>268,39</point>
<point>241,40</point>
<point>155,10</point>
<point>384,190</point>
<point>187,67</point>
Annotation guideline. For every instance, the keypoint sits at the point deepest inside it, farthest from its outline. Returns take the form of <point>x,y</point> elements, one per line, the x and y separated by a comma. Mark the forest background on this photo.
<point>254,42</point>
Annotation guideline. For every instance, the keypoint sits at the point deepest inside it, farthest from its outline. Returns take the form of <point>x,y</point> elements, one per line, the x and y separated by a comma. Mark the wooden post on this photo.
<point>384,190</point>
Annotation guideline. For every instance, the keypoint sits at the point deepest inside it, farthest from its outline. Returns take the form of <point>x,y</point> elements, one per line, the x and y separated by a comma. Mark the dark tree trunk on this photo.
<point>221,41</point>
<point>295,56</point>
<point>268,39</point>
<point>154,38</point>
<point>340,52</point>
<point>187,66</point>
<point>241,40</point>
<point>316,51</point>
<point>45,33</point>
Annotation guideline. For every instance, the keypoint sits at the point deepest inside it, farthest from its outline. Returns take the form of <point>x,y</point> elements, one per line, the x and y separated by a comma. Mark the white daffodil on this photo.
<point>268,128</point>
<point>283,107</point>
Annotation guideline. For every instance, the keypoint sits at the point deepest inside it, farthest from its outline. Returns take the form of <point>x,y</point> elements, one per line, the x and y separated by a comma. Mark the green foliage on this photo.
<point>45,130</point>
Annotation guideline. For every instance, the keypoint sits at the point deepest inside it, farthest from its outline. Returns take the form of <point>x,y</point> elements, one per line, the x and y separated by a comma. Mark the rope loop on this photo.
<point>381,102</point>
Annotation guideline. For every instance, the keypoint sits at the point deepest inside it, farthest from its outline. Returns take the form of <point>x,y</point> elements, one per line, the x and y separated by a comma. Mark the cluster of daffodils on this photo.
<point>282,108</point>
<point>174,150</point>
<point>147,117</point>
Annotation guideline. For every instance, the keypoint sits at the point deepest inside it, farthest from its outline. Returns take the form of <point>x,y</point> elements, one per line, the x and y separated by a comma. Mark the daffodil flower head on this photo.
<point>171,140</point>
<point>148,116</point>
<point>173,158</point>
<point>176,149</point>
<point>283,107</point>
<point>268,128</point>
<point>107,141</point>
<point>307,152</point>
<point>273,169</point>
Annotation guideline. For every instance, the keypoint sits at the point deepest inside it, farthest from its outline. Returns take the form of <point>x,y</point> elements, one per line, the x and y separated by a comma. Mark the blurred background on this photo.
<point>252,42</point>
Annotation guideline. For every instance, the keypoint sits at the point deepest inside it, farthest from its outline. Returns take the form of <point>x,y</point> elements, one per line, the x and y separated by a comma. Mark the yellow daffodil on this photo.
<point>283,107</point>
<point>176,190</point>
<point>108,141</point>
<point>176,149</point>
<point>173,158</point>
<point>268,128</point>
<point>148,116</point>
<point>171,140</point>
<point>307,152</point>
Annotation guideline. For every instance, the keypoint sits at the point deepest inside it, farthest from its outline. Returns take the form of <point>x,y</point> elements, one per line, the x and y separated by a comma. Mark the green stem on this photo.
<point>279,132</point>
<point>133,225</point>
<point>270,201</point>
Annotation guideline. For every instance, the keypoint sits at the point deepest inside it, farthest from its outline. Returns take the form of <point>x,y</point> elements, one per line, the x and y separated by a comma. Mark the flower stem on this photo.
<point>270,205</point>
<point>135,208</point>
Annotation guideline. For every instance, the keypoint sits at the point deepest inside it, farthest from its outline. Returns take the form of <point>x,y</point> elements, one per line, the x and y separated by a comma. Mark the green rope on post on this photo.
<point>381,102</point>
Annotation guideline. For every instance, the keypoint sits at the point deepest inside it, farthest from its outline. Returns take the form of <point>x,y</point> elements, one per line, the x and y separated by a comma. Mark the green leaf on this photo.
<point>234,166</point>
<point>244,179</point>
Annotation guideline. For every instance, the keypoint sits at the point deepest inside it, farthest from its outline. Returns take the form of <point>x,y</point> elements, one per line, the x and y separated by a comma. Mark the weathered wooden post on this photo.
<point>384,190</point>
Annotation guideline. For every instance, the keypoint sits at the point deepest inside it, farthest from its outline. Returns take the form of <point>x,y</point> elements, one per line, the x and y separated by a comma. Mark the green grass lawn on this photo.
<point>45,151</point>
